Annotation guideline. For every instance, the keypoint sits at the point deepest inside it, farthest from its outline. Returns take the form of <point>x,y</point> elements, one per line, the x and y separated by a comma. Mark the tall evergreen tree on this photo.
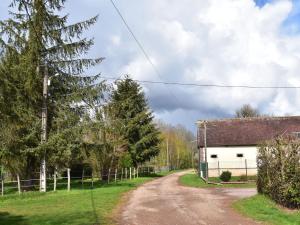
<point>138,128</point>
<point>35,36</point>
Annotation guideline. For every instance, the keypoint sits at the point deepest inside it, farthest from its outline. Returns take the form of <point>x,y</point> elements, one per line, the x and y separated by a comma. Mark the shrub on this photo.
<point>278,164</point>
<point>243,178</point>
<point>225,176</point>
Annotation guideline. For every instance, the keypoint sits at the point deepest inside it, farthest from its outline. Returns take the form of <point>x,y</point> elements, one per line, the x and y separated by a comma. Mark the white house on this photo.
<point>231,144</point>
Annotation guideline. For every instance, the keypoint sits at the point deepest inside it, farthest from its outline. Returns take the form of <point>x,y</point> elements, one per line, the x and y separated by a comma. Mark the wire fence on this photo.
<point>68,179</point>
<point>242,168</point>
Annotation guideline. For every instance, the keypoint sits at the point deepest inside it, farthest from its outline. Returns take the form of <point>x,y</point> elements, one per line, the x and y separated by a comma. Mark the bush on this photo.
<point>225,176</point>
<point>243,178</point>
<point>278,164</point>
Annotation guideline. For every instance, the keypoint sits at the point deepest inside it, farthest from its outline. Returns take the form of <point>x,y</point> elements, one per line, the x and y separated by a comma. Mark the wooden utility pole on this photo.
<point>168,153</point>
<point>44,127</point>
<point>193,165</point>
<point>199,161</point>
<point>205,146</point>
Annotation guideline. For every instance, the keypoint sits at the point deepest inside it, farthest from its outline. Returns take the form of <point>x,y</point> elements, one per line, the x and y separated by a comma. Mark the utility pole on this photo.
<point>44,128</point>
<point>168,152</point>
<point>199,161</point>
<point>193,166</point>
<point>205,146</point>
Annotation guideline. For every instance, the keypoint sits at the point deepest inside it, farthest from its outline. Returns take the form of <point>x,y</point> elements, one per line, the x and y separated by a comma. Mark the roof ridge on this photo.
<point>248,119</point>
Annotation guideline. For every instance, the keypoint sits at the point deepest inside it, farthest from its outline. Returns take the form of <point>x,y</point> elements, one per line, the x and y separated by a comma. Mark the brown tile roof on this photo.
<point>246,131</point>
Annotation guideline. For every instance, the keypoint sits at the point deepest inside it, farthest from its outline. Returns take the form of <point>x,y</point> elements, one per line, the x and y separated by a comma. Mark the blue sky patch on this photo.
<point>261,3</point>
<point>292,24</point>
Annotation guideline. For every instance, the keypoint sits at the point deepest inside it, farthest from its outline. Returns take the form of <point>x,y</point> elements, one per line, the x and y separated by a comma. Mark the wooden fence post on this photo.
<point>126,173</point>
<point>2,186</point>
<point>2,181</point>
<point>134,172</point>
<point>69,179</point>
<point>116,172</point>
<point>92,180</point>
<point>19,184</point>
<point>130,173</point>
<point>82,177</point>
<point>137,172</point>
<point>148,170</point>
<point>54,180</point>
<point>108,176</point>
<point>122,174</point>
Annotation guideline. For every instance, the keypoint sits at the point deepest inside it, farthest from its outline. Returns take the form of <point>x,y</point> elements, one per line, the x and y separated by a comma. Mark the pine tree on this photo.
<point>138,128</point>
<point>36,36</point>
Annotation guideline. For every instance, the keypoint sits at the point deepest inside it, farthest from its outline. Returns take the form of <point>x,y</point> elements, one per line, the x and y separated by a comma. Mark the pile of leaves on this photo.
<point>278,164</point>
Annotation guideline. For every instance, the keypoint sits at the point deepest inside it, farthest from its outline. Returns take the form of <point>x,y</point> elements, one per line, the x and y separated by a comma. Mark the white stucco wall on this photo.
<point>227,160</point>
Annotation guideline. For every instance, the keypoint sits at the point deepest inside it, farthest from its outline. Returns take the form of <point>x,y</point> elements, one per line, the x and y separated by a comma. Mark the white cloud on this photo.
<point>223,42</point>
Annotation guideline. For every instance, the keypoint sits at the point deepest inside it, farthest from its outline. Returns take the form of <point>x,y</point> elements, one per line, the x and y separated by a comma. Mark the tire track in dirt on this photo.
<point>165,202</point>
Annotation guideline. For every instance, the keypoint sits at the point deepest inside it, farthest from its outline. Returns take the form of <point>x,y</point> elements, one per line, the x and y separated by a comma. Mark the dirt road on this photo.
<point>165,202</point>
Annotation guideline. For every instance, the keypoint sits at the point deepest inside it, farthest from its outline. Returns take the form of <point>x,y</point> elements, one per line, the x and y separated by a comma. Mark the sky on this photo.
<point>230,42</point>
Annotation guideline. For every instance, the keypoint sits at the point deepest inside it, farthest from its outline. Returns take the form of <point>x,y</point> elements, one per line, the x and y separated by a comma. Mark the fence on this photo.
<point>246,168</point>
<point>65,180</point>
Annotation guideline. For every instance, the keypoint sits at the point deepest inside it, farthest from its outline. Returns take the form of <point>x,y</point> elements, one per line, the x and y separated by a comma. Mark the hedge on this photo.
<point>278,176</point>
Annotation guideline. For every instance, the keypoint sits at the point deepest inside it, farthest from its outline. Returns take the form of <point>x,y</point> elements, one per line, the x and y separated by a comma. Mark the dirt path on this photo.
<point>165,202</point>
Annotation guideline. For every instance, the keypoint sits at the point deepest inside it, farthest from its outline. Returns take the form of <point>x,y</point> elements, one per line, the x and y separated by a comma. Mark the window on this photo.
<point>213,156</point>
<point>296,134</point>
<point>240,155</point>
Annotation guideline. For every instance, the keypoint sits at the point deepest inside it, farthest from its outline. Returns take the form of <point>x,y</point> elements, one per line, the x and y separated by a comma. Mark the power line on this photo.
<point>178,83</point>
<point>140,46</point>
<point>206,85</point>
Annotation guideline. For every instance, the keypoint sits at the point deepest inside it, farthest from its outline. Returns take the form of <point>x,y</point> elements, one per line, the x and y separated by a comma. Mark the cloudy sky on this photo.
<point>231,42</point>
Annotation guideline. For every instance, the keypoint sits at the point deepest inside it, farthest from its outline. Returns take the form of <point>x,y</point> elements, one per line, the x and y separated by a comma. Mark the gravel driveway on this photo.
<point>165,202</point>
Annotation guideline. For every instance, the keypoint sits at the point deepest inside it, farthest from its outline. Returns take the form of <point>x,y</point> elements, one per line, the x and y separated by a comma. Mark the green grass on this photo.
<point>89,206</point>
<point>193,180</point>
<point>263,209</point>
<point>234,178</point>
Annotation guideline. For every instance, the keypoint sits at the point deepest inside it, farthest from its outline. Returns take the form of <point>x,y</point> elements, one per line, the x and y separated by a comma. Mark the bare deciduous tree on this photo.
<point>247,111</point>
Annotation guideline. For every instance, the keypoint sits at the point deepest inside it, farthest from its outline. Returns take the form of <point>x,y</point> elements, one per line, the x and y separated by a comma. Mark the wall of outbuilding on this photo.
<point>226,158</point>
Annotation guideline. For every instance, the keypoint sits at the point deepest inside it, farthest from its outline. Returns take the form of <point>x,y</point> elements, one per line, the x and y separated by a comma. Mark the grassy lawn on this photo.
<point>193,180</point>
<point>217,179</point>
<point>89,206</point>
<point>263,209</point>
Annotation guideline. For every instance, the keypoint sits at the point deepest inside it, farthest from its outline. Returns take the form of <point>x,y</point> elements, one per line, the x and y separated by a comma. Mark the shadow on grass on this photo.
<point>97,221</point>
<point>8,219</point>
<point>63,218</point>
<point>79,185</point>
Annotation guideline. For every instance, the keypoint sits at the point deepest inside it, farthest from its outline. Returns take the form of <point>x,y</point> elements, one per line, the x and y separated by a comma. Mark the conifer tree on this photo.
<point>35,36</point>
<point>138,127</point>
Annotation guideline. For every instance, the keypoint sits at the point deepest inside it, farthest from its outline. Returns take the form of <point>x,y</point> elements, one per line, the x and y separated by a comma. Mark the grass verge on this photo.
<point>193,180</point>
<point>263,209</point>
<point>90,206</point>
